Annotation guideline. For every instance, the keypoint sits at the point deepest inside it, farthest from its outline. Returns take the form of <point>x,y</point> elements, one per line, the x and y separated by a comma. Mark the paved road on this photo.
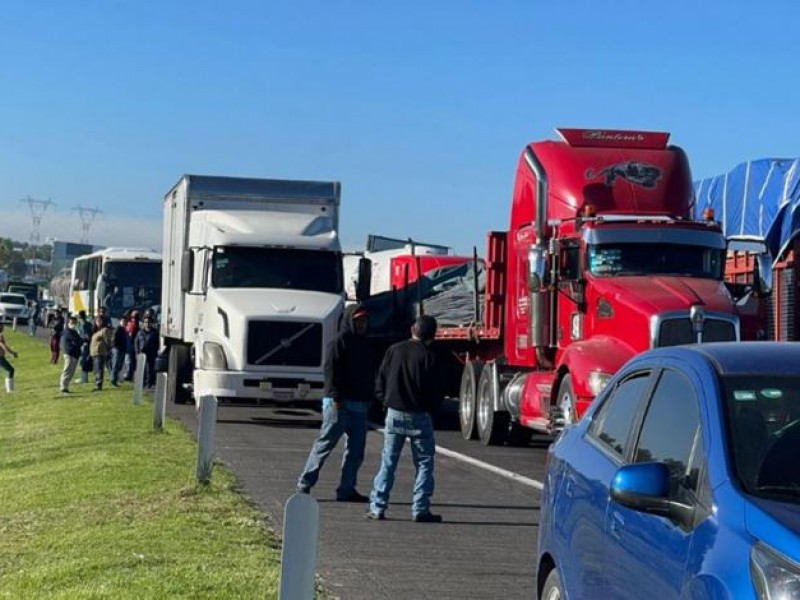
<point>485,549</point>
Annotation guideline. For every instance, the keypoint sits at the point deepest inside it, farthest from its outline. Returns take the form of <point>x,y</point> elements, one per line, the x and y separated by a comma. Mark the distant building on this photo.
<point>65,252</point>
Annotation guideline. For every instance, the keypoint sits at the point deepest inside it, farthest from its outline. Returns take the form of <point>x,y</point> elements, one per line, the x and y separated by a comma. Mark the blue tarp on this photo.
<point>758,200</point>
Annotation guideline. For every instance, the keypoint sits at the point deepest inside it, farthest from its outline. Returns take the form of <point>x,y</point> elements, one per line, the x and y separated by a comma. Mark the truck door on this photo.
<point>569,317</point>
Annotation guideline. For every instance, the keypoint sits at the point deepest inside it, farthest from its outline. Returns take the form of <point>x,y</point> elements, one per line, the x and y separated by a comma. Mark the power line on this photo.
<point>37,208</point>
<point>87,217</point>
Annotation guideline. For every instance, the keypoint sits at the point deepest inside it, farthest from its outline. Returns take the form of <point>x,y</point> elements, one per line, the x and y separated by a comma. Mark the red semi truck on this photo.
<point>602,260</point>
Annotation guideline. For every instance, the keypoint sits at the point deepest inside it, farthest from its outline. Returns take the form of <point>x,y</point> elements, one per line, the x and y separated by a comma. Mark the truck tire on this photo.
<point>492,424</point>
<point>519,435</point>
<point>177,370</point>
<point>552,589</point>
<point>564,412</point>
<point>467,394</point>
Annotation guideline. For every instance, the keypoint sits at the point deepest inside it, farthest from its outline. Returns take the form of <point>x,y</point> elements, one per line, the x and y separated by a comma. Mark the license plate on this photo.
<point>265,386</point>
<point>282,395</point>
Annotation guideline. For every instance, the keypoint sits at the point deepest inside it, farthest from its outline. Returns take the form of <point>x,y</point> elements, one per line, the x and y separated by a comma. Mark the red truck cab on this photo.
<point>602,260</point>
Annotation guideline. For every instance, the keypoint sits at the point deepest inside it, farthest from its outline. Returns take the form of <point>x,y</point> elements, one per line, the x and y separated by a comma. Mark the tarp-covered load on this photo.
<point>758,200</point>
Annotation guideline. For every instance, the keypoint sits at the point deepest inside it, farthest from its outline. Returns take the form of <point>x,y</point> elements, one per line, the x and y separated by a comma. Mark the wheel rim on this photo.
<point>483,409</point>
<point>566,408</point>
<point>553,594</point>
<point>467,404</point>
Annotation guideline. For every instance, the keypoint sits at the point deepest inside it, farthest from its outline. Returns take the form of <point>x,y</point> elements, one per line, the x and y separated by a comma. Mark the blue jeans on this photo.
<point>418,428</point>
<point>117,360</point>
<point>349,419</point>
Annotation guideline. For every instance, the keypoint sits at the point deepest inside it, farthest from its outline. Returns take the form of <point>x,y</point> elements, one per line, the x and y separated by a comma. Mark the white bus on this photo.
<point>120,279</point>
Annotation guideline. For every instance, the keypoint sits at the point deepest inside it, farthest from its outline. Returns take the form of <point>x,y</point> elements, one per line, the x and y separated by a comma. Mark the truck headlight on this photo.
<point>773,575</point>
<point>214,357</point>
<point>598,381</point>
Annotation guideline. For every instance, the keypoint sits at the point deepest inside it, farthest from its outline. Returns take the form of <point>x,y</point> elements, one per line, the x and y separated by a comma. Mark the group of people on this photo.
<point>410,384</point>
<point>97,346</point>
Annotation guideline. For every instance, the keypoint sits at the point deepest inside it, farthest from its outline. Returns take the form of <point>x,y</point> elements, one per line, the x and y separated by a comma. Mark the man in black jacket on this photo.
<point>410,384</point>
<point>349,387</point>
<point>71,347</point>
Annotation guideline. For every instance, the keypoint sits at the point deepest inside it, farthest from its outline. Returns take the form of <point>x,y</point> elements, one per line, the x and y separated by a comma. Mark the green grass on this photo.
<point>95,504</point>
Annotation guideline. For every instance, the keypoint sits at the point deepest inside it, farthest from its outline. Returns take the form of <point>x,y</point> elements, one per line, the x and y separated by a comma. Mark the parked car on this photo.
<point>682,480</point>
<point>13,305</point>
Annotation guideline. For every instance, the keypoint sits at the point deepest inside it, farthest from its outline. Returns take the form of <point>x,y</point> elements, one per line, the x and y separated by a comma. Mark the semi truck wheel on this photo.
<point>178,373</point>
<point>492,424</point>
<point>565,413</point>
<point>466,399</point>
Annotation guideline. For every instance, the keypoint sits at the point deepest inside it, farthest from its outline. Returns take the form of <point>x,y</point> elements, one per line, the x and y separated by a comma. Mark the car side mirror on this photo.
<point>364,285</point>
<point>762,278</point>
<point>536,269</point>
<point>187,271</point>
<point>644,487</point>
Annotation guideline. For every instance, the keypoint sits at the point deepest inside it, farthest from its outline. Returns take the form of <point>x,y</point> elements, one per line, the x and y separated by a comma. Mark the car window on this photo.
<point>671,431</point>
<point>614,420</point>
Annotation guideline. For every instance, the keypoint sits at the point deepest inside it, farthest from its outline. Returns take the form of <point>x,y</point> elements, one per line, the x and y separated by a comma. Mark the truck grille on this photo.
<point>284,343</point>
<point>675,332</point>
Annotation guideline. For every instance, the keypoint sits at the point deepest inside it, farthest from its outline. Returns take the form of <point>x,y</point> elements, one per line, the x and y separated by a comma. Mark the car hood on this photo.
<point>290,305</point>
<point>653,294</point>
<point>775,523</point>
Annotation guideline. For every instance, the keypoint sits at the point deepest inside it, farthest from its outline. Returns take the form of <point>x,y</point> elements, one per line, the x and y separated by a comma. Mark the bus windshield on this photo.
<point>127,285</point>
<point>656,259</point>
<point>280,268</point>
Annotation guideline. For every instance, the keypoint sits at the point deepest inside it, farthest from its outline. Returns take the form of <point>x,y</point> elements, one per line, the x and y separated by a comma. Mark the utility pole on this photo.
<point>87,217</point>
<point>37,208</point>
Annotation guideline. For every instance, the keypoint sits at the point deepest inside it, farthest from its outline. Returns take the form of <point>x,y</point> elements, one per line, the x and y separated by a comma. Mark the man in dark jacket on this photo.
<point>71,344</point>
<point>119,349</point>
<point>147,344</point>
<point>410,384</point>
<point>349,387</point>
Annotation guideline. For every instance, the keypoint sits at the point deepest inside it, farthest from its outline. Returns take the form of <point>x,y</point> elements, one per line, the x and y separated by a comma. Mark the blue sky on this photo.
<point>420,109</point>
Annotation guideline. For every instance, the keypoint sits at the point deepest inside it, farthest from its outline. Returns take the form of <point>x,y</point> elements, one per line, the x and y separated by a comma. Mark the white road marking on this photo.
<point>483,465</point>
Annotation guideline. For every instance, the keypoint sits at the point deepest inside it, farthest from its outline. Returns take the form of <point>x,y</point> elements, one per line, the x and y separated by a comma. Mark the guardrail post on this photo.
<point>14,324</point>
<point>160,402</point>
<point>138,378</point>
<point>205,438</point>
<point>299,555</point>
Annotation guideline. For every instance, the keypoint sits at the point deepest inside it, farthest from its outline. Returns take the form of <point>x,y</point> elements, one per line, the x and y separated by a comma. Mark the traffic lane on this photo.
<point>528,460</point>
<point>485,549</point>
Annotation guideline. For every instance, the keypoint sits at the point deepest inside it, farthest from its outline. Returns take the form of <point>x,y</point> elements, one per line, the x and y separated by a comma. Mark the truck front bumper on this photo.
<point>255,386</point>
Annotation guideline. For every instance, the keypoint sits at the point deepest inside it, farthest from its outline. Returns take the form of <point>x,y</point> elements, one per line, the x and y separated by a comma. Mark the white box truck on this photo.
<point>252,287</point>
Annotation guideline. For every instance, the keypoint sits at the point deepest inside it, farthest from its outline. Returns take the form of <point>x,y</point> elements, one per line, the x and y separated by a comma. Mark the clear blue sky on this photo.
<point>420,109</point>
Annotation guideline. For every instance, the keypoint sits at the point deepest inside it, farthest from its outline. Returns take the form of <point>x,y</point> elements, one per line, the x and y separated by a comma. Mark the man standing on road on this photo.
<point>410,386</point>
<point>71,343</point>
<point>349,388</point>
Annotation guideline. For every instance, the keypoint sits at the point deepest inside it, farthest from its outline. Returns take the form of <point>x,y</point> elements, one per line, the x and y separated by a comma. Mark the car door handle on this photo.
<point>617,525</point>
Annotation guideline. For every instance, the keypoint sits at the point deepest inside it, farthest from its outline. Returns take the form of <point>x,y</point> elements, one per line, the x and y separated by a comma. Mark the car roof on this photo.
<point>16,295</point>
<point>740,358</point>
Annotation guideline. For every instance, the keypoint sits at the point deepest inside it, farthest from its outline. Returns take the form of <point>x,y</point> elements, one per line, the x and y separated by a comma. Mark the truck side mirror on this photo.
<point>536,269</point>
<point>187,272</point>
<point>580,294</point>
<point>364,285</point>
<point>762,278</point>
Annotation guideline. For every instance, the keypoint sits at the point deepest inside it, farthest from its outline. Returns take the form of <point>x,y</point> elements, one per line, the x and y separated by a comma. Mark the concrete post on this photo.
<point>299,556</point>
<point>160,402</point>
<point>138,379</point>
<point>205,438</point>
<point>14,324</point>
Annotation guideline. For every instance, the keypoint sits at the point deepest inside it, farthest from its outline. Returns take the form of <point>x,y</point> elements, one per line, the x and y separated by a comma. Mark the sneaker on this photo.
<point>427,517</point>
<point>373,516</point>
<point>65,392</point>
<point>354,496</point>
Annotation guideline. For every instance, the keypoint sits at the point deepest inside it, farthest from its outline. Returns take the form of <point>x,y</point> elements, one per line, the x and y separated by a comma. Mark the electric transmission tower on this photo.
<point>37,208</point>
<point>87,216</point>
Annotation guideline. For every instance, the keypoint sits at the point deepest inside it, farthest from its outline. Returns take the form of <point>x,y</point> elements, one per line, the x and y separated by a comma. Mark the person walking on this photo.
<point>5,350</point>
<point>86,329</point>
<point>132,327</point>
<point>33,317</point>
<point>147,344</point>
<point>71,343</point>
<point>119,348</point>
<point>55,339</point>
<point>410,385</point>
<point>350,367</point>
<point>100,348</point>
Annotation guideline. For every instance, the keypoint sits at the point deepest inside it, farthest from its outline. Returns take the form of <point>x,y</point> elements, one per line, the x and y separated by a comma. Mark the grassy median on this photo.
<point>94,504</point>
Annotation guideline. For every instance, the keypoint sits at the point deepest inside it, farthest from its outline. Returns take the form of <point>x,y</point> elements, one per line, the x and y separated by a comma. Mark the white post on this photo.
<point>299,557</point>
<point>205,438</point>
<point>14,324</point>
<point>138,379</point>
<point>160,402</point>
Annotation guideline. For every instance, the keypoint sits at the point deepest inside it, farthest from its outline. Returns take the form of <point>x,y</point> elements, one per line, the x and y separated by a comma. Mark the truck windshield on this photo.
<point>129,285</point>
<point>656,259</point>
<point>278,268</point>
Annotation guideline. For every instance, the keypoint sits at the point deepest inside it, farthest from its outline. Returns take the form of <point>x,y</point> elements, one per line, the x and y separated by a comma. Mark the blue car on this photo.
<point>682,480</point>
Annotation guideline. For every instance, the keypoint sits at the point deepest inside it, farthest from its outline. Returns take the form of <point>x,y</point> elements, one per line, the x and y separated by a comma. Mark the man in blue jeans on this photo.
<point>350,366</point>
<point>410,384</point>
